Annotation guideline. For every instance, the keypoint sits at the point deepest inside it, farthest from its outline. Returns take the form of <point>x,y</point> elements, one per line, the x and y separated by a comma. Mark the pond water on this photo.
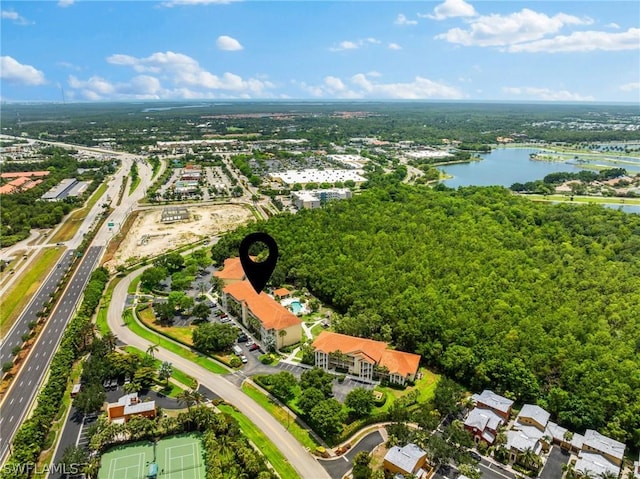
<point>503,167</point>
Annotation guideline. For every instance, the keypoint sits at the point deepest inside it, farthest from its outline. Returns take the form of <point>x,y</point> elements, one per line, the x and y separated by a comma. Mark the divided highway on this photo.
<point>18,399</point>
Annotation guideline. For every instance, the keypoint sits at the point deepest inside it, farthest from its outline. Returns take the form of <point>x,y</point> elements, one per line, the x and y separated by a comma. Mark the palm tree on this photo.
<point>165,371</point>
<point>152,350</point>
<point>131,388</point>
<point>198,397</point>
<point>608,475</point>
<point>282,333</point>
<point>110,340</point>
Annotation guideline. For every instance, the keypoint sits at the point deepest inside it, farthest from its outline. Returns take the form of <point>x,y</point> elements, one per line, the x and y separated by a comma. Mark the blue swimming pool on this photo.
<point>296,307</point>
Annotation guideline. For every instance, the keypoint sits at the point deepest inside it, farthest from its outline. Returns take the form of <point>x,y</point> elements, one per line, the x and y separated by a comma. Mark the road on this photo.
<point>338,467</point>
<point>22,391</point>
<point>21,326</point>
<point>303,462</point>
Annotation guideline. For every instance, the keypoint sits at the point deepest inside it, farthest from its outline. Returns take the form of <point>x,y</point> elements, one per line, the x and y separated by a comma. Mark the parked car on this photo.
<point>244,359</point>
<point>253,347</point>
<point>475,455</point>
<point>243,338</point>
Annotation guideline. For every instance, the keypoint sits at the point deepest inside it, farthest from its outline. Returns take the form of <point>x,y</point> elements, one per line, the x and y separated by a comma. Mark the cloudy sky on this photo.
<point>197,49</point>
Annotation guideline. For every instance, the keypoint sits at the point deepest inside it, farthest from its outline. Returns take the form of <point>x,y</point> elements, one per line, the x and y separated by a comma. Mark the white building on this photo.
<point>350,161</point>
<point>291,177</point>
<point>311,199</point>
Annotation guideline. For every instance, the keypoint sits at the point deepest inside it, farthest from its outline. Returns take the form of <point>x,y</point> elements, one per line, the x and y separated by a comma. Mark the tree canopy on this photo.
<point>536,301</point>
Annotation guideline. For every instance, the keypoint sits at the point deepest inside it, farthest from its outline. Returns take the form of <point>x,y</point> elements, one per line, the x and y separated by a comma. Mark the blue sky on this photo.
<point>201,49</point>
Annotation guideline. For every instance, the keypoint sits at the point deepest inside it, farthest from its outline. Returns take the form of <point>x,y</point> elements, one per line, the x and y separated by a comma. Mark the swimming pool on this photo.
<point>296,306</point>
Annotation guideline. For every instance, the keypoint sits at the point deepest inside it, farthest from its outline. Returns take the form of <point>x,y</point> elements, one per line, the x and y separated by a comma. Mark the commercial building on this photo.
<point>128,406</point>
<point>21,183</point>
<point>310,199</point>
<point>291,177</point>
<point>267,318</point>
<point>350,161</point>
<point>67,187</point>
<point>174,213</point>
<point>365,358</point>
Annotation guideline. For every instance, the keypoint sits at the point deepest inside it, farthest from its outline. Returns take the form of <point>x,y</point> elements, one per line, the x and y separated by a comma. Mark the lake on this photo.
<point>504,167</point>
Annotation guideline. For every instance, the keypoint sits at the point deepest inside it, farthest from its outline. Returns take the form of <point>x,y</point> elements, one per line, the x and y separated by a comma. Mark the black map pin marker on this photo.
<point>258,274</point>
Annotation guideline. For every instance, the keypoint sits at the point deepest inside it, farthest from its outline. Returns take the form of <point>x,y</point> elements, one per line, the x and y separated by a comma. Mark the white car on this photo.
<point>243,358</point>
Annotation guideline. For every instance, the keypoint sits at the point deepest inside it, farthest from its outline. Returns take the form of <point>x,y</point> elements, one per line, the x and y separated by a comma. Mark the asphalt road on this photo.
<point>18,399</point>
<point>302,461</point>
<point>338,467</point>
<point>21,326</point>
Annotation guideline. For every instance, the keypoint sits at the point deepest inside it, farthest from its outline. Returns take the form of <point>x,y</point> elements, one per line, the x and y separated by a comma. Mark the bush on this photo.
<point>341,378</point>
<point>7,366</point>
<point>235,362</point>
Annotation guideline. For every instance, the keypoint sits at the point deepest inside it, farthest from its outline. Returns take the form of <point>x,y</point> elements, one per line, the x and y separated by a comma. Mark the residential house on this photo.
<point>600,455</point>
<point>498,404</point>
<point>529,432</point>
<point>128,406</point>
<point>564,438</point>
<point>267,318</point>
<point>364,358</point>
<point>483,425</point>
<point>405,460</point>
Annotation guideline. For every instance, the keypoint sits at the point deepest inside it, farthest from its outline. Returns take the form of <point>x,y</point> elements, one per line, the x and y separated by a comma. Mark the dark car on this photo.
<point>475,455</point>
<point>243,338</point>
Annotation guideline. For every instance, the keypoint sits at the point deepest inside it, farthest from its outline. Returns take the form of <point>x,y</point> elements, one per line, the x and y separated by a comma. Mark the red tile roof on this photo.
<point>269,312</point>
<point>397,362</point>
<point>232,270</point>
<point>282,292</point>
<point>15,174</point>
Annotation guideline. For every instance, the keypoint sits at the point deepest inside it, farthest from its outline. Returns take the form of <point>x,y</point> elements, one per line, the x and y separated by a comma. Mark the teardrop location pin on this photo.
<point>258,274</point>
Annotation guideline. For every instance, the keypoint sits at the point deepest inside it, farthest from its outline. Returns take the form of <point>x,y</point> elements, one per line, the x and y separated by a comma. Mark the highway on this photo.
<point>21,326</point>
<point>304,463</point>
<point>21,393</point>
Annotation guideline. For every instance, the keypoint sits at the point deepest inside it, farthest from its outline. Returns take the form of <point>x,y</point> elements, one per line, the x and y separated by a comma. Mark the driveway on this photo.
<point>553,467</point>
<point>338,467</point>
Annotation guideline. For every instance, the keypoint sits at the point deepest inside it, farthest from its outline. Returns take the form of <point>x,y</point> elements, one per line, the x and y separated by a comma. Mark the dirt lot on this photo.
<point>149,236</point>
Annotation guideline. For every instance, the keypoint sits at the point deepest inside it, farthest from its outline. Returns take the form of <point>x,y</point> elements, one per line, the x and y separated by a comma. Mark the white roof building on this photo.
<point>596,464</point>
<point>494,401</point>
<point>291,177</point>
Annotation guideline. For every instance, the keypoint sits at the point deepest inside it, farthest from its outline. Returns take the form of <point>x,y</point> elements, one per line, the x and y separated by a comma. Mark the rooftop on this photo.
<point>232,270</point>
<point>268,311</point>
<point>494,401</point>
<point>405,458</point>
<point>596,464</point>
<point>604,444</point>
<point>397,362</point>
<point>536,413</point>
<point>482,419</point>
<point>14,174</point>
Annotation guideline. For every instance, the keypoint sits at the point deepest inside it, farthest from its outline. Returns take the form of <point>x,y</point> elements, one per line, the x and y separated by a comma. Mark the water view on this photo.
<point>504,167</point>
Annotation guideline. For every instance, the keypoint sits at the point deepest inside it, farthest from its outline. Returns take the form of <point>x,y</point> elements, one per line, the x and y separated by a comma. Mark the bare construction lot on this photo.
<point>149,236</point>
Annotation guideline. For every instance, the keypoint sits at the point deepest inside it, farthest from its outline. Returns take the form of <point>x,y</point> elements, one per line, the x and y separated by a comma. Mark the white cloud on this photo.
<point>546,94</point>
<point>583,42</point>
<point>363,85</point>
<point>394,46</point>
<point>172,3</point>
<point>15,72</point>
<point>14,17</point>
<point>501,30</point>
<point>613,25</point>
<point>630,86</point>
<point>401,19</point>
<point>189,78</point>
<point>351,45</point>
<point>451,8</point>
<point>65,3</point>
<point>227,43</point>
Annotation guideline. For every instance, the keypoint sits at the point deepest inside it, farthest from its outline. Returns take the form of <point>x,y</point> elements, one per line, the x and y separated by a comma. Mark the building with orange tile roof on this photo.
<point>231,272</point>
<point>281,293</point>
<point>15,174</point>
<point>21,183</point>
<point>365,358</point>
<point>261,313</point>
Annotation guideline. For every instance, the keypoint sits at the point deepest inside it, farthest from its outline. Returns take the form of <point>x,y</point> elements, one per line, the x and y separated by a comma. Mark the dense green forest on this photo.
<point>25,210</point>
<point>538,302</point>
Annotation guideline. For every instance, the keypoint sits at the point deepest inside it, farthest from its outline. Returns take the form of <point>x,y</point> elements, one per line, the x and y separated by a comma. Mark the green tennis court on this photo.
<point>177,457</point>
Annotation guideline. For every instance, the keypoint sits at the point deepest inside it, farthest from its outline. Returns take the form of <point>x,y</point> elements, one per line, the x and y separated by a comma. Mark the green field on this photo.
<point>177,457</point>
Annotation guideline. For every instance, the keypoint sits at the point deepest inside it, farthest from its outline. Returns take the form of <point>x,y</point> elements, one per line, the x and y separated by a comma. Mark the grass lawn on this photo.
<point>181,333</point>
<point>584,199</point>
<point>178,375</point>
<point>316,330</point>
<point>426,385</point>
<point>133,287</point>
<point>70,227</point>
<point>200,359</point>
<point>134,184</point>
<point>101,318</point>
<point>16,298</point>
<point>302,435</point>
<point>262,442</point>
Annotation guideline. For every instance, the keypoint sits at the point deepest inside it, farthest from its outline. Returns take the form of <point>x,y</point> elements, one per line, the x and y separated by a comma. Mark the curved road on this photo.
<point>304,463</point>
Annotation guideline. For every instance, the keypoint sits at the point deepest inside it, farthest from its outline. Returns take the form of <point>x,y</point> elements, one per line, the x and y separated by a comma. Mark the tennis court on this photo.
<point>177,457</point>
